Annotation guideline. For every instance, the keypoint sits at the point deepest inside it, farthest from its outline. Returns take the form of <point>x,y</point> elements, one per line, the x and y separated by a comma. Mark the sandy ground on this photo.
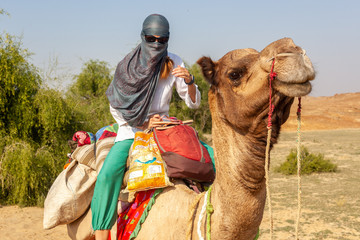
<point>26,223</point>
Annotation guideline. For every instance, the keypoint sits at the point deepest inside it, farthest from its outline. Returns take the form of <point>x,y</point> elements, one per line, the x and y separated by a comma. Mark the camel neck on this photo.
<point>239,187</point>
<point>239,158</point>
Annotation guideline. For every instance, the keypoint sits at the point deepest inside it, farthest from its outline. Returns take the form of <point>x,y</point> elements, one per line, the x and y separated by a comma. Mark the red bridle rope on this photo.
<point>272,76</point>
<point>271,106</point>
<point>267,152</point>
<point>299,107</point>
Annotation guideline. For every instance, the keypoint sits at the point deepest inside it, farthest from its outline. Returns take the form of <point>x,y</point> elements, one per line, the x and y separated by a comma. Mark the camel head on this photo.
<point>239,93</point>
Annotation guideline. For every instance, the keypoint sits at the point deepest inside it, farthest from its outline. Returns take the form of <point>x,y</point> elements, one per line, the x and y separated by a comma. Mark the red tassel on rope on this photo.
<point>299,107</point>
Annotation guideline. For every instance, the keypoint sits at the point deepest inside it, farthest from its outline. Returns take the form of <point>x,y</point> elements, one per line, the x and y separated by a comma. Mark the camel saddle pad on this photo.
<point>129,221</point>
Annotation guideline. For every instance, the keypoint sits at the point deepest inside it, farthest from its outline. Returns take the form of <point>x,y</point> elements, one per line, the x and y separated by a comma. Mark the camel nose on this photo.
<point>289,54</point>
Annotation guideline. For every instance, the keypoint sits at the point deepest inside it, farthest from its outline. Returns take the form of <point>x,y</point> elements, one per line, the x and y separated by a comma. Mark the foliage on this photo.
<point>26,173</point>
<point>310,163</point>
<point>19,84</point>
<point>201,116</point>
<point>34,125</point>
<point>56,120</point>
<point>93,80</point>
<point>87,96</point>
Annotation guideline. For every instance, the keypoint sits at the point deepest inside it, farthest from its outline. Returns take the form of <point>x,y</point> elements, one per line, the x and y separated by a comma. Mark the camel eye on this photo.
<point>234,76</point>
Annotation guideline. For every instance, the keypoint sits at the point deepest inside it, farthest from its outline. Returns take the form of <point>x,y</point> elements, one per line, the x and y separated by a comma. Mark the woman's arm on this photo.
<point>182,72</point>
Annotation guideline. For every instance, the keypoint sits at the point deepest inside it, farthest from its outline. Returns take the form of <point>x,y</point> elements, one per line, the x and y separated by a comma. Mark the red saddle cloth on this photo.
<point>129,222</point>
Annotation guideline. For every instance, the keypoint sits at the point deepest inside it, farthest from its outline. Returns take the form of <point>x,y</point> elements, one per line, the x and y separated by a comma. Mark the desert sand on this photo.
<point>26,223</point>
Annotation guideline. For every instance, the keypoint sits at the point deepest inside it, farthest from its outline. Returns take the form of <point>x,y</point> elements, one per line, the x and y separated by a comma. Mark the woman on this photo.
<point>139,95</point>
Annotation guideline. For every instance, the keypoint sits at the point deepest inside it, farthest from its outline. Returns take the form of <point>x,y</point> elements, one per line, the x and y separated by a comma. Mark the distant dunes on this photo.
<point>325,113</point>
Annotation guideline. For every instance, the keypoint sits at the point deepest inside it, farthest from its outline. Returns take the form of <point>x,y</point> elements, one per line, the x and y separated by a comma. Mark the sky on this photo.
<point>63,35</point>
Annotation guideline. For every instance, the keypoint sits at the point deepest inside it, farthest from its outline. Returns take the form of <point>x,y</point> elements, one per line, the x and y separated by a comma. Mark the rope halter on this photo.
<point>272,76</point>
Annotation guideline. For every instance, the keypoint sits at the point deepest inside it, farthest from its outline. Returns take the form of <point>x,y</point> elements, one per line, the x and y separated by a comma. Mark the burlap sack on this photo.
<point>102,149</point>
<point>71,193</point>
<point>81,229</point>
<point>85,155</point>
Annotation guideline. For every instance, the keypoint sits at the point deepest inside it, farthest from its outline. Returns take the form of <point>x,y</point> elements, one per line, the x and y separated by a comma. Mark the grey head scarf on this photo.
<point>136,76</point>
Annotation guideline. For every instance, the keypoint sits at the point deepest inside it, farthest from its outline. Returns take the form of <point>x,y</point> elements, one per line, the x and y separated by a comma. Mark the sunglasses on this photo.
<point>162,40</point>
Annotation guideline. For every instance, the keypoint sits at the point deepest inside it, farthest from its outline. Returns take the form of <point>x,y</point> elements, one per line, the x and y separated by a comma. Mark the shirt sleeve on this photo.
<point>118,117</point>
<point>182,90</point>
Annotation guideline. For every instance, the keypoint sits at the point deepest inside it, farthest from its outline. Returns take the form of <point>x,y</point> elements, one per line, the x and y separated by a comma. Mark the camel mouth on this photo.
<point>293,89</point>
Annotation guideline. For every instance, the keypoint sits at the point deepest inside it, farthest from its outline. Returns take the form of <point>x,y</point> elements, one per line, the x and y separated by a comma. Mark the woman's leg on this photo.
<point>107,187</point>
<point>102,234</point>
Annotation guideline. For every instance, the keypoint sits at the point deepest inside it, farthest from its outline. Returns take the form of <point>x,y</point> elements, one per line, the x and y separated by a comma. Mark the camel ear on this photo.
<point>208,69</point>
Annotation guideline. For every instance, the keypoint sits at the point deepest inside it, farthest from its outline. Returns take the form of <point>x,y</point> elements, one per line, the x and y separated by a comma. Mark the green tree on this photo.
<point>87,96</point>
<point>56,121</point>
<point>93,80</point>
<point>34,125</point>
<point>19,84</point>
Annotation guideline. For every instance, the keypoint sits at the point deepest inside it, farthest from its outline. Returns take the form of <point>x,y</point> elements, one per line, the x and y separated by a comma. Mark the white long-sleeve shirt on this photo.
<point>161,101</point>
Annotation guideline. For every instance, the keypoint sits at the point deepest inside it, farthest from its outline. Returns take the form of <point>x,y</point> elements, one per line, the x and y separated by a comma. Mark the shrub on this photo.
<point>34,126</point>
<point>310,163</point>
<point>26,173</point>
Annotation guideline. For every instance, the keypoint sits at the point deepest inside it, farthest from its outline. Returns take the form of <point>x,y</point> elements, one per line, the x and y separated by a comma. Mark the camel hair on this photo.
<point>239,102</point>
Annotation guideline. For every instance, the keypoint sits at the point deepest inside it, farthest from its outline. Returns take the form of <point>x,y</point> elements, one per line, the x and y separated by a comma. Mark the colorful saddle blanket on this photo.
<point>129,221</point>
<point>107,131</point>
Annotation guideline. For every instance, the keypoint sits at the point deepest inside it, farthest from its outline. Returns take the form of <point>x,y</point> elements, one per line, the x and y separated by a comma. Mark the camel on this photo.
<point>239,102</point>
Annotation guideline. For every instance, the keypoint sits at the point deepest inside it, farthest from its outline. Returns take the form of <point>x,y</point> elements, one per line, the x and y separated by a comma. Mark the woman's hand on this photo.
<point>182,73</point>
